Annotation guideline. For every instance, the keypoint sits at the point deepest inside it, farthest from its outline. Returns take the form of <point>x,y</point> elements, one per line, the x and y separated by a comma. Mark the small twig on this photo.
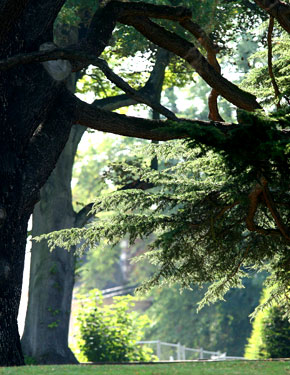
<point>225,209</point>
<point>241,262</point>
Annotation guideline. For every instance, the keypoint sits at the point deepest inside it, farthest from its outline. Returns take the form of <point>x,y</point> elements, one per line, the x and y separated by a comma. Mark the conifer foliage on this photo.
<point>211,209</point>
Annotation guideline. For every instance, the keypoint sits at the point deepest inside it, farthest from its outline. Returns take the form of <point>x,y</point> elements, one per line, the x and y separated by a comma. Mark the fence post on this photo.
<point>178,351</point>
<point>158,350</point>
<point>201,353</point>
<point>183,353</point>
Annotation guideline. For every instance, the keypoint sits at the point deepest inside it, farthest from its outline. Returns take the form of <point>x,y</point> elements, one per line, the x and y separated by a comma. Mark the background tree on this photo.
<point>34,132</point>
<point>224,326</point>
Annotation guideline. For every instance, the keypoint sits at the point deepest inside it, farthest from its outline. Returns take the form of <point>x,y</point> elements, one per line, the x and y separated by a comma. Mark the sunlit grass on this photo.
<point>197,368</point>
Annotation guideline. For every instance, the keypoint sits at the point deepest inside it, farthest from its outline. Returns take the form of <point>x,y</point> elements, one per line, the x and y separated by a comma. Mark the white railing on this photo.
<point>180,352</point>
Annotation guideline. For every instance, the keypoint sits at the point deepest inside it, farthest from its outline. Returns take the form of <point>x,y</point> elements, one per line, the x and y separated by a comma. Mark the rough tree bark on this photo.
<point>37,113</point>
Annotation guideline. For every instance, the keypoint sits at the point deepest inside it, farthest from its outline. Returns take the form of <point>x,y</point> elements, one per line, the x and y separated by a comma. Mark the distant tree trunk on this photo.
<point>45,336</point>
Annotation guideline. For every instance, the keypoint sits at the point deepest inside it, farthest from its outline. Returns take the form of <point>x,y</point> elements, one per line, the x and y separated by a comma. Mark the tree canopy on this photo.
<point>222,208</point>
<point>38,112</point>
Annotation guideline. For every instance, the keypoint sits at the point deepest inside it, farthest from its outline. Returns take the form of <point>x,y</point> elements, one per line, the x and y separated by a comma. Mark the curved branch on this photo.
<point>187,50</point>
<point>277,9</point>
<point>106,17</point>
<point>212,51</point>
<point>86,53</point>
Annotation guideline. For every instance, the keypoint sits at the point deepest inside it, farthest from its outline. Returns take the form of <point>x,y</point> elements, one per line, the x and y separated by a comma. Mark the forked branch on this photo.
<point>136,14</point>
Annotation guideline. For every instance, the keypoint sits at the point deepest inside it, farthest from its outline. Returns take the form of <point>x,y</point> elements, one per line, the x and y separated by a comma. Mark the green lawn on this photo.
<point>201,368</point>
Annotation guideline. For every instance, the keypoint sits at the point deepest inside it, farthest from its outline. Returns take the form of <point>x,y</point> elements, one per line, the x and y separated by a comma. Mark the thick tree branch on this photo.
<point>181,47</point>
<point>91,116</point>
<point>128,13</point>
<point>98,119</point>
<point>212,51</point>
<point>105,19</point>
<point>136,9</point>
<point>72,54</point>
<point>277,9</point>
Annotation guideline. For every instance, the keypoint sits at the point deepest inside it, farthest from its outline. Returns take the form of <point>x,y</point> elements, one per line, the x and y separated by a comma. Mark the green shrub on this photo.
<point>108,333</point>
<point>276,334</point>
<point>30,361</point>
<point>270,336</point>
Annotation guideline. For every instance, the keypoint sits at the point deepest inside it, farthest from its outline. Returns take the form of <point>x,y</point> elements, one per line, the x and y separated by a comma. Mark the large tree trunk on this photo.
<point>28,98</point>
<point>45,336</point>
<point>12,246</point>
